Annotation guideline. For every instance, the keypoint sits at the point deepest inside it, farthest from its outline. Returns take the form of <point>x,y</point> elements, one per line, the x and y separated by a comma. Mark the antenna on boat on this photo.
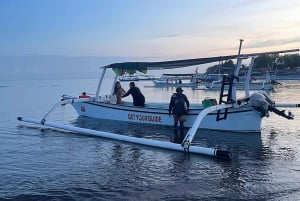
<point>241,41</point>
<point>236,72</point>
<point>238,57</point>
<point>239,52</point>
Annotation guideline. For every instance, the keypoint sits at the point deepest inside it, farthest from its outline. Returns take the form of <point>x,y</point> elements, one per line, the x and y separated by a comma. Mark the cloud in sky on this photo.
<point>146,29</point>
<point>278,42</point>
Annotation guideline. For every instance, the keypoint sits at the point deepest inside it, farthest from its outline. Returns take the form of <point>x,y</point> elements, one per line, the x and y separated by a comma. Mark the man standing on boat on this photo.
<point>138,97</point>
<point>179,106</point>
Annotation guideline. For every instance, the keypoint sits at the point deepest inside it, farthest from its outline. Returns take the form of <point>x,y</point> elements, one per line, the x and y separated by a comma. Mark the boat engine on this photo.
<point>259,102</point>
<point>263,103</point>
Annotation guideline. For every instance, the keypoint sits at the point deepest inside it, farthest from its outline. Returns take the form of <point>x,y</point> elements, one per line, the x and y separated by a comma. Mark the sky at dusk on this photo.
<point>141,30</point>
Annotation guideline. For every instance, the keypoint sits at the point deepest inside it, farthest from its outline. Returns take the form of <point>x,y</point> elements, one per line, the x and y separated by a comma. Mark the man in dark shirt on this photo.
<point>179,106</point>
<point>138,97</point>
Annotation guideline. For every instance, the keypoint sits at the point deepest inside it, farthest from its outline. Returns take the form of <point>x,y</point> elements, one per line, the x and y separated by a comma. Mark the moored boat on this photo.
<point>229,113</point>
<point>253,85</point>
<point>175,80</point>
<point>128,78</point>
<point>157,113</point>
<point>173,83</point>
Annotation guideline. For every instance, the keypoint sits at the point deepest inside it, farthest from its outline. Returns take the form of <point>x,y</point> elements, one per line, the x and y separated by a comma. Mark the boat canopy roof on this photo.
<point>144,66</point>
<point>168,64</point>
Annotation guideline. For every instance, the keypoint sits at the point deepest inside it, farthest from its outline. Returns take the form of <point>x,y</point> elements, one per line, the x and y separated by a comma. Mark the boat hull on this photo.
<point>159,83</point>
<point>243,119</point>
<point>240,86</point>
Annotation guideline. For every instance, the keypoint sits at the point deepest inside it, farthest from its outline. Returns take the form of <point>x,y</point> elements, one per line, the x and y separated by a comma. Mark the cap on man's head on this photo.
<point>179,89</point>
<point>132,84</point>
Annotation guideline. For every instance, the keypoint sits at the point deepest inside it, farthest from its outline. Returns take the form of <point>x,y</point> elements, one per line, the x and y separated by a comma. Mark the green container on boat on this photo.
<point>207,102</point>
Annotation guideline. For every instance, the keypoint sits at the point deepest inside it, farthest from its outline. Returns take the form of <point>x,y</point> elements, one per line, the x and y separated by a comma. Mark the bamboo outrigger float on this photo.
<point>148,142</point>
<point>223,116</point>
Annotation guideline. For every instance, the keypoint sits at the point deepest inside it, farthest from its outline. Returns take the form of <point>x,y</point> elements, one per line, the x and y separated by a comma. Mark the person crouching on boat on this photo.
<point>137,96</point>
<point>179,106</point>
<point>118,92</point>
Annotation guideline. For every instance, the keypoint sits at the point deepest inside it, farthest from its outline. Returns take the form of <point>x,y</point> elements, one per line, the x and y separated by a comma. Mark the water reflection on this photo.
<point>239,143</point>
<point>251,156</point>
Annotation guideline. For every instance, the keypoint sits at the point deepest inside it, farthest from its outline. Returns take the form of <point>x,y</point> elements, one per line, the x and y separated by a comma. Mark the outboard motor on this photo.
<point>259,103</point>
<point>263,103</point>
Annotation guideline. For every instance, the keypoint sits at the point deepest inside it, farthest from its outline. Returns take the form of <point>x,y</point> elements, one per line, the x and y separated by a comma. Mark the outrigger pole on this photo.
<point>187,141</point>
<point>149,142</point>
<point>287,104</point>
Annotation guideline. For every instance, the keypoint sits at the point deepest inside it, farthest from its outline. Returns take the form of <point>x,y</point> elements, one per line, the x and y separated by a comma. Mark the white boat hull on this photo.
<point>240,85</point>
<point>243,119</point>
<point>159,83</point>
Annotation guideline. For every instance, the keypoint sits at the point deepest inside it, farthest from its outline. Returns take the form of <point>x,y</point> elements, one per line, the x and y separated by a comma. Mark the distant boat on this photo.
<point>260,85</point>
<point>276,75</point>
<point>286,76</point>
<point>201,77</point>
<point>175,80</point>
<point>147,77</point>
<point>136,77</point>
<point>214,81</point>
<point>291,74</point>
<point>128,78</point>
<point>173,83</point>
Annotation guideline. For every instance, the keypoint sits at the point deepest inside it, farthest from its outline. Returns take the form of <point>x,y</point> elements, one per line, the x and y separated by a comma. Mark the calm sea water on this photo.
<point>48,164</point>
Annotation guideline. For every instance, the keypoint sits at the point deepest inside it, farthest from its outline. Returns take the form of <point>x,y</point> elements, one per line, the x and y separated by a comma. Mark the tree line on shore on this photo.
<point>263,63</point>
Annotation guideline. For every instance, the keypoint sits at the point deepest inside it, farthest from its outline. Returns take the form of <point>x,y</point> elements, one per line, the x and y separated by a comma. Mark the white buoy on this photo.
<point>149,142</point>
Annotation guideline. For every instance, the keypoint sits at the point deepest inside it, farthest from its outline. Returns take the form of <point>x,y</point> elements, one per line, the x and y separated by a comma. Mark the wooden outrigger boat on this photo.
<point>175,80</point>
<point>157,112</point>
<point>266,85</point>
<point>230,114</point>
